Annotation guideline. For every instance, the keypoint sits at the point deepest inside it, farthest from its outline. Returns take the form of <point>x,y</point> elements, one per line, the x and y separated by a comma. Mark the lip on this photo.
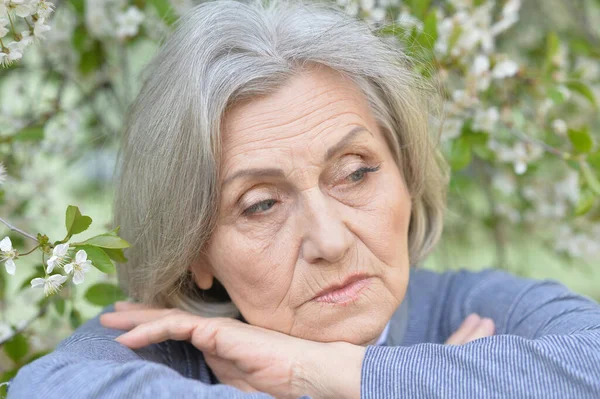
<point>347,291</point>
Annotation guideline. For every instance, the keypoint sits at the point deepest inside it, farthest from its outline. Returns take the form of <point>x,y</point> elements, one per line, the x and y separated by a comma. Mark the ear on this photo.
<point>202,274</point>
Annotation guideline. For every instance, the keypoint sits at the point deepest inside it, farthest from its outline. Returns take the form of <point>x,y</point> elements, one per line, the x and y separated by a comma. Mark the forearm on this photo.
<point>554,366</point>
<point>58,376</point>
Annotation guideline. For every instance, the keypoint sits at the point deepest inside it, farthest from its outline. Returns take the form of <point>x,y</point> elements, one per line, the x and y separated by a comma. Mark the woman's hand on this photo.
<point>248,357</point>
<point>472,328</point>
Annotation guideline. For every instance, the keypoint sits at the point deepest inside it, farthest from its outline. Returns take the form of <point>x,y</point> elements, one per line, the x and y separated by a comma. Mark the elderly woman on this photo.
<point>280,186</point>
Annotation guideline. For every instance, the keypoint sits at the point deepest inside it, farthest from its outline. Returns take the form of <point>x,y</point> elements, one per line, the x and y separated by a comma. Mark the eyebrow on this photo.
<point>276,172</point>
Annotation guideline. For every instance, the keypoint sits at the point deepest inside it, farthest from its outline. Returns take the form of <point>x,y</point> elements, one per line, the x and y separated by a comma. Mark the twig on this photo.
<point>13,228</point>
<point>546,147</point>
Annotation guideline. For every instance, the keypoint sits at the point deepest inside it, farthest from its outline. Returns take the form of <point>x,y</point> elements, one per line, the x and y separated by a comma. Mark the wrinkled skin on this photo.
<point>283,236</point>
<point>317,221</point>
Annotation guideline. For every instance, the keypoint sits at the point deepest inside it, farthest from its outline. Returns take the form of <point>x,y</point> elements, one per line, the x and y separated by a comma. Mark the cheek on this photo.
<point>256,268</point>
<point>383,224</point>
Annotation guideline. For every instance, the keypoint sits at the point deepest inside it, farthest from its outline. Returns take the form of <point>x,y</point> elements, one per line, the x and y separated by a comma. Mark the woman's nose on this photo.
<point>325,235</point>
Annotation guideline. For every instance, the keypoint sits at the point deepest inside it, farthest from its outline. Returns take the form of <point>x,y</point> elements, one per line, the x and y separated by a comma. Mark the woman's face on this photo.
<point>311,196</point>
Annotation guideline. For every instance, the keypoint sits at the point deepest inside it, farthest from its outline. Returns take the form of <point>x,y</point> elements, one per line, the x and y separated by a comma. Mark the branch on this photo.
<point>13,228</point>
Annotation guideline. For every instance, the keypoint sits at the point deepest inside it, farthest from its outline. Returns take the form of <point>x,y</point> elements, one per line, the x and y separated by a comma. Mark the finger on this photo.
<point>176,327</point>
<point>128,319</point>
<point>465,329</point>
<point>485,328</point>
<point>126,305</point>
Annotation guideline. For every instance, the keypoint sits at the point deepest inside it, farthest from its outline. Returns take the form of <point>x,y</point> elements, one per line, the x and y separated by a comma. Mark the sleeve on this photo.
<point>90,364</point>
<point>547,345</point>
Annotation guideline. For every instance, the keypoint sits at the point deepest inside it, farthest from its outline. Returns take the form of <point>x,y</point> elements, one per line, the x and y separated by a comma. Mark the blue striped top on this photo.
<point>547,345</point>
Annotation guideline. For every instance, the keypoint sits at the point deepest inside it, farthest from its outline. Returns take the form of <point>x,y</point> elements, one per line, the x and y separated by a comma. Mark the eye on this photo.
<point>259,207</point>
<point>359,174</point>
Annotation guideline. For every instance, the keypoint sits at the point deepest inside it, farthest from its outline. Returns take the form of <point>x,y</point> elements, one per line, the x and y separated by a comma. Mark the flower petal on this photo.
<point>60,250</point>
<point>78,277</point>
<point>81,256</point>
<point>10,266</point>
<point>5,245</point>
<point>38,282</point>
<point>68,267</point>
<point>51,263</point>
<point>57,278</point>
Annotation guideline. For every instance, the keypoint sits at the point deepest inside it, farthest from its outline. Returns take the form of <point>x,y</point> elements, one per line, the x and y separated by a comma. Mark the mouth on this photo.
<point>345,293</point>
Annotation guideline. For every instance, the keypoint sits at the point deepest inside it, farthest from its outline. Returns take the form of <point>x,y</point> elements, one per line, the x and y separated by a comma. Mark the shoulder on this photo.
<point>464,285</point>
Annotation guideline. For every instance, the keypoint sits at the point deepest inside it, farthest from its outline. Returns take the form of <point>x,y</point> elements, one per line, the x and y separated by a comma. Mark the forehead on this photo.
<point>309,113</point>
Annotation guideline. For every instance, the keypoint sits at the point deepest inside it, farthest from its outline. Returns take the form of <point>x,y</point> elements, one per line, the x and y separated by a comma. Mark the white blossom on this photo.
<point>51,284</point>
<point>520,154</point>
<point>79,267</point>
<point>408,22</point>
<point>505,69</point>
<point>378,14</point>
<point>183,6</point>
<point>129,22</point>
<point>6,331</point>
<point>59,257</point>
<point>486,120</point>
<point>43,8</point>
<point>505,183</point>
<point>568,188</point>
<point>367,5</point>
<point>40,28</point>
<point>8,254</point>
<point>2,173</point>
<point>451,128</point>
<point>559,126</point>
<point>481,64</point>
<point>19,8</point>
<point>4,22</point>
<point>26,40</point>
<point>10,53</point>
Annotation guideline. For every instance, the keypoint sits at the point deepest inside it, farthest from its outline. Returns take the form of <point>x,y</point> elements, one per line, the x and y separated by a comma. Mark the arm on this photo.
<point>548,345</point>
<point>91,364</point>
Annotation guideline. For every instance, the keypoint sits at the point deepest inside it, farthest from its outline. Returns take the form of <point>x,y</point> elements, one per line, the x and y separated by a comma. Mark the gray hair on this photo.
<point>221,53</point>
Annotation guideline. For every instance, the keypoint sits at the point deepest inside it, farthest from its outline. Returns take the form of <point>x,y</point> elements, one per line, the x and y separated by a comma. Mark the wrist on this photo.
<point>329,370</point>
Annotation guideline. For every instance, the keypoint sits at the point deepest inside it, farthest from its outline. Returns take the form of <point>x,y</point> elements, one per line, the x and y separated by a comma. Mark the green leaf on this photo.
<point>590,178</point>
<point>556,95</point>
<point>79,6</point>
<point>103,294</point>
<point>2,286</point>
<point>80,39</point>
<point>581,140</point>
<point>583,90</point>
<point>115,254</point>
<point>31,133</point>
<point>100,260</point>
<point>419,8</point>
<point>75,318</point>
<point>594,160</point>
<point>4,377</point>
<point>59,305</point>
<point>429,35</point>
<point>107,240</point>
<point>164,10</point>
<point>91,59</point>
<point>75,222</point>
<point>585,203</point>
<point>460,156</point>
<point>17,347</point>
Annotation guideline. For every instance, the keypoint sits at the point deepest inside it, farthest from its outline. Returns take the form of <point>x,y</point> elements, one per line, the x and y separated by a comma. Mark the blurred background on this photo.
<point>521,86</point>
